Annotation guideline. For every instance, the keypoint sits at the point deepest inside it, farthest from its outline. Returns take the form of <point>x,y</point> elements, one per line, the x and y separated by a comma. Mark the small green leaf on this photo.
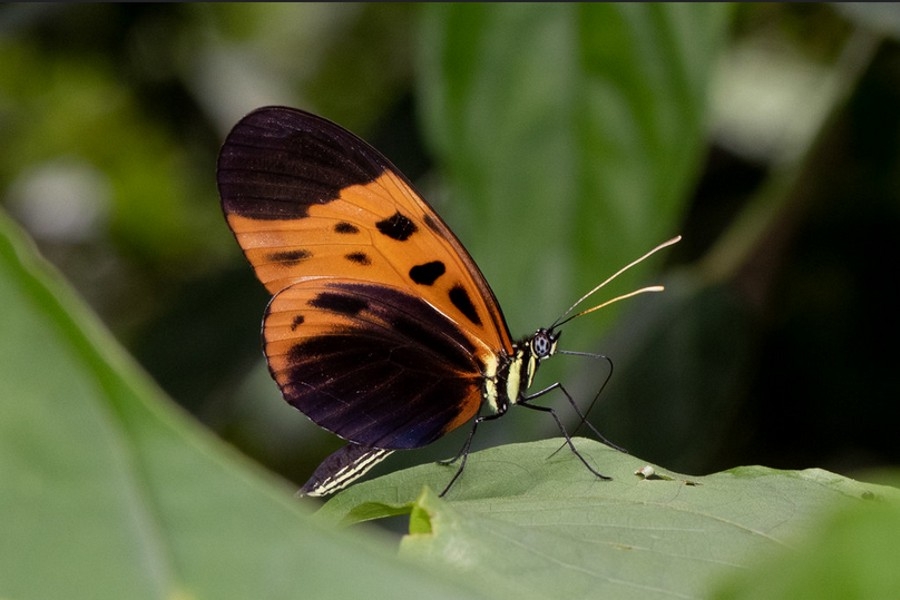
<point>524,522</point>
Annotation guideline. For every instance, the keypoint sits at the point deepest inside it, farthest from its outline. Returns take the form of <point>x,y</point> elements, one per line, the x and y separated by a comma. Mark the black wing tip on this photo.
<point>279,117</point>
<point>277,161</point>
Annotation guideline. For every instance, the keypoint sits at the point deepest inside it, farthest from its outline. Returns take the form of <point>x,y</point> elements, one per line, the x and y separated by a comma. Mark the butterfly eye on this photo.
<point>543,344</point>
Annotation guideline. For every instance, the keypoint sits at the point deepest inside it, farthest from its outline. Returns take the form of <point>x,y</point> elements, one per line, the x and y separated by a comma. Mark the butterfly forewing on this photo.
<point>306,199</point>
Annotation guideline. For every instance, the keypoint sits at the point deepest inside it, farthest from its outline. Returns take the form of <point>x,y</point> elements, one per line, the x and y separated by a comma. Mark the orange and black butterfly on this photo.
<point>381,328</point>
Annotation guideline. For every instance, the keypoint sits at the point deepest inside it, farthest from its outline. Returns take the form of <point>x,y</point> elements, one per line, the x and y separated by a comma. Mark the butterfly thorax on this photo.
<point>510,376</point>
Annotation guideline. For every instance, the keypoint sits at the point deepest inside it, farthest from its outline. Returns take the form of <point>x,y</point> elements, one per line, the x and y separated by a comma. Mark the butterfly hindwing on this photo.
<point>371,363</point>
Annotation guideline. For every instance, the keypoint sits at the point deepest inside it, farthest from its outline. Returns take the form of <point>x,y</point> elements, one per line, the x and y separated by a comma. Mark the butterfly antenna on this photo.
<point>566,317</point>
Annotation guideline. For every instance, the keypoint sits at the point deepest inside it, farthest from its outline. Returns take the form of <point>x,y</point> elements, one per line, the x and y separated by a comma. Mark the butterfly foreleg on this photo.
<point>583,414</point>
<point>525,401</point>
<point>582,417</point>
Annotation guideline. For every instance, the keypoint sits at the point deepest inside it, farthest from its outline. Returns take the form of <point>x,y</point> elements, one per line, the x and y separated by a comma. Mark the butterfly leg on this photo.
<point>524,401</point>
<point>583,420</point>
<point>464,451</point>
<point>582,415</point>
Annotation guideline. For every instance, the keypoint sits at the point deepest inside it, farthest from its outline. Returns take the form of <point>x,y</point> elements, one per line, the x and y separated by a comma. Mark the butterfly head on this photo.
<point>543,343</point>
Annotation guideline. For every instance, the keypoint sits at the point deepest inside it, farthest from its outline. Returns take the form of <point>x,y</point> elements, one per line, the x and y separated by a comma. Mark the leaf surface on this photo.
<point>523,523</point>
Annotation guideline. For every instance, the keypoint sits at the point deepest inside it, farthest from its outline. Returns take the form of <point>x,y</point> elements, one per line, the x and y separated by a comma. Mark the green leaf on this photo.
<point>570,135</point>
<point>527,523</point>
<point>107,491</point>
<point>852,554</point>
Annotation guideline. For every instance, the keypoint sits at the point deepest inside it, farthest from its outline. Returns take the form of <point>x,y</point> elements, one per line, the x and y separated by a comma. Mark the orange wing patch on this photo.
<point>371,225</point>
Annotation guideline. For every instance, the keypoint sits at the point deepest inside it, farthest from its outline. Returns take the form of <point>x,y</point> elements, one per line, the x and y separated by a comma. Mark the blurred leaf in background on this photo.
<point>776,354</point>
<point>560,142</point>
<point>573,154</point>
<point>569,155</point>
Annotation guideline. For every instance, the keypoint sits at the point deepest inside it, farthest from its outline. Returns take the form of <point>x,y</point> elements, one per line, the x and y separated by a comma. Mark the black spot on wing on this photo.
<point>397,227</point>
<point>345,304</point>
<point>359,258</point>
<point>398,312</point>
<point>427,273</point>
<point>346,228</point>
<point>460,299</point>
<point>290,257</point>
<point>297,322</point>
<point>277,162</point>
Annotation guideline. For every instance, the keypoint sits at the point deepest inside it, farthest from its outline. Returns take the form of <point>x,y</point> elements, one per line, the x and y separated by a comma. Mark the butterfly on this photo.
<point>381,327</point>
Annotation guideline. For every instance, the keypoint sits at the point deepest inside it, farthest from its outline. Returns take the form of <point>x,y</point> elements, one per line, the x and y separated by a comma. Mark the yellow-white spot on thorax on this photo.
<point>489,390</point>
<point>514,377</point>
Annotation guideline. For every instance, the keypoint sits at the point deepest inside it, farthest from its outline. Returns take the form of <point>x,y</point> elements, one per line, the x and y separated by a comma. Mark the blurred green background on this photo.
<point>560,142</point>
